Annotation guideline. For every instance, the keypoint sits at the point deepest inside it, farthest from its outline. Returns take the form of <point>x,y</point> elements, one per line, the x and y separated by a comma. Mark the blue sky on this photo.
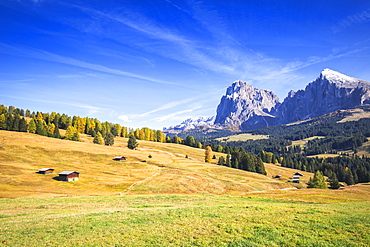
<point>155,63</point>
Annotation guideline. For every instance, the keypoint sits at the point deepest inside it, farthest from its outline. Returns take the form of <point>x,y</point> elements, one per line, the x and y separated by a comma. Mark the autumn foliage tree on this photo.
<point>208,154</point>
<point>98,139</point>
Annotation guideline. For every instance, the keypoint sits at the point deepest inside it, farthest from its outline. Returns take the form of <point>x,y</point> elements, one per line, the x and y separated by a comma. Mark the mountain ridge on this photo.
<point>249,108</point>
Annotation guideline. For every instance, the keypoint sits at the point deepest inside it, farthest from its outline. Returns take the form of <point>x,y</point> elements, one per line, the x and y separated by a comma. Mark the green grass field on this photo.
<point>183,220</point>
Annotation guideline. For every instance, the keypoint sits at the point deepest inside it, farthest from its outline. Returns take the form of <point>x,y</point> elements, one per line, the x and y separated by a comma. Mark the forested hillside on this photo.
<point>337,133</point>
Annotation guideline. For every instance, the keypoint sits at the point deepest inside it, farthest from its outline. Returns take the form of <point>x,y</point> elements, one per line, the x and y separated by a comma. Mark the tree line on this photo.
<point>49,124</point>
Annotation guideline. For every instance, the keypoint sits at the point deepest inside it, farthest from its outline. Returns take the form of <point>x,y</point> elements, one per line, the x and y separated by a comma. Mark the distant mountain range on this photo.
<point>248,108</point>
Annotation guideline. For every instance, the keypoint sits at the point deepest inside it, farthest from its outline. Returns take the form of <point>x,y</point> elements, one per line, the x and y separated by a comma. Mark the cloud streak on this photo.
<point>356,19</point>
<point>173,45</point>
<point>52,57</point>
<point>172,115</point>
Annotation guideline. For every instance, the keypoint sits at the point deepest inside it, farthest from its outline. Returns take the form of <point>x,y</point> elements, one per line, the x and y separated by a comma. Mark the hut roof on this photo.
<point>45,169</point>
<point>67,172</point>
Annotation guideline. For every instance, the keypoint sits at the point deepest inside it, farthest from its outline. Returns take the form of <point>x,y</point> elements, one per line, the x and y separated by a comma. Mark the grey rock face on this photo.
<point>329,92</point>
<point>246,107</point>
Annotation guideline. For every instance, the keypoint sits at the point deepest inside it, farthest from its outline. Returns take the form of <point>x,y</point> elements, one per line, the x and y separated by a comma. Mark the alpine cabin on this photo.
<point>69,176</point>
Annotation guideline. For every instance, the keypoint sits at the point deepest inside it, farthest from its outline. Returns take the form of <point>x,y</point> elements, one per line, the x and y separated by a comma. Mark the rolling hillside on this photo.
<point>167,172</point>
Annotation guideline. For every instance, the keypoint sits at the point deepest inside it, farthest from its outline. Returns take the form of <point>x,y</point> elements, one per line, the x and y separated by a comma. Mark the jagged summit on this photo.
<point>246,106</point>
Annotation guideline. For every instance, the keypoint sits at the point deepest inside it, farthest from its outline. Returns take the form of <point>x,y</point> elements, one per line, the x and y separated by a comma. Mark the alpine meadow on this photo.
<point>184,123</point>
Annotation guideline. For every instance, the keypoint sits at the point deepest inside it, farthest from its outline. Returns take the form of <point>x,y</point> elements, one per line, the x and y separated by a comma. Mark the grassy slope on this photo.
<point>167,172</point>
<point>190,220</point>
<point>307,217</point>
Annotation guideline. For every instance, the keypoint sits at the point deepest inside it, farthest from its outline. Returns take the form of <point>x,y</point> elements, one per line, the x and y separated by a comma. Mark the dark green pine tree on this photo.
<point>318,181</point>
<point>260,167</point>
<point>40,130</point>
<point>236,163</point>
<point>32,126</point>
<point>333,181</point>
<point>221,161</point>
<point>56,133</point>
<point>114,131</point>
<point>23,125</point>
<point>349,179</point>
<point>16,121</point>
<point>9,122</point>
<point>228,163</point>
<point>132,143</point>
<point>251,166</point>
<point>109,139</point>
<point>76,137</point>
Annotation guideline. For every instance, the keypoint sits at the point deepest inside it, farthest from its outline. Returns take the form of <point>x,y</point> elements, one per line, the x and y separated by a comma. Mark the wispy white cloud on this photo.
<point>124,118</point>
<point>359,18</point>
<point>16,81</point>
<point>74,104</point>
<point>48,56</point>
<point>172,115</point>
<point>172,44</point>
<point>293,66</point>
<point>167,106</point>
<point>82,75</point>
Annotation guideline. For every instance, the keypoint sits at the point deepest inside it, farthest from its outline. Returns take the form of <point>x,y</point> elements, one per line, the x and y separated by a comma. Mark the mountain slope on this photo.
<point>167,172</point>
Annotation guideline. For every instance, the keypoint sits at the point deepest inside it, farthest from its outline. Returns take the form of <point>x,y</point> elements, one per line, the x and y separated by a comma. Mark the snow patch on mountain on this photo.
<point>192,123</point>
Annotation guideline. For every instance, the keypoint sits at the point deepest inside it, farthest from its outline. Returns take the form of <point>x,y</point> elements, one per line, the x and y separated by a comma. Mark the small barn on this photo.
<point>46,171</point>
<point>119,158</point>
<point>69,176</point>
<point>296,178</point>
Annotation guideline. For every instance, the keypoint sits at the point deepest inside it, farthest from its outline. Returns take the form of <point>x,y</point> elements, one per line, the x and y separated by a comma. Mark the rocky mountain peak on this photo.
<point>246,106</point>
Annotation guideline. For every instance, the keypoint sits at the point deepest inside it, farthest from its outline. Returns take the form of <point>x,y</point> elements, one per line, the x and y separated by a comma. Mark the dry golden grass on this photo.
<point>242,137</point>
<point>356,114</point>
<point>303,142</point>
<point>167,172</point>
<point>286,174</point>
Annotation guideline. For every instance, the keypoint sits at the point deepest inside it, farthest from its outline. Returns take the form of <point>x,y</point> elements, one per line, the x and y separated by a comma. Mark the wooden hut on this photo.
<point>119,158</point>
<point>296,178</point>
<point>69,176</point>
<point>46,171</point>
